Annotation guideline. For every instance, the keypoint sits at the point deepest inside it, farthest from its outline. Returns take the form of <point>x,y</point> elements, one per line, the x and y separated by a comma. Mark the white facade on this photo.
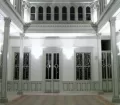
<point>56,41</point>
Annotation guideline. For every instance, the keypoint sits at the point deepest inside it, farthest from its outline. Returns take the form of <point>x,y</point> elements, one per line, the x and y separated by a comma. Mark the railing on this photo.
<point>67,86</point>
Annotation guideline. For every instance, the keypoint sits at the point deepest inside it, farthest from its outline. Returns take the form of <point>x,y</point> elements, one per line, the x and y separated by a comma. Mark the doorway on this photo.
<point>52,70</point>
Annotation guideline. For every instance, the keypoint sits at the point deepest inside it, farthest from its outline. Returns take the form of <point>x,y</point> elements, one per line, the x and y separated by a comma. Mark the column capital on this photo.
<point>99,34</point>
<point>112,20</point>
<point>22,35</point>
<point>7,21</point>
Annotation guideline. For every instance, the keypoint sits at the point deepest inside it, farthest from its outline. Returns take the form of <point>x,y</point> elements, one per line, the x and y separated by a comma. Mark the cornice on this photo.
<point>59,25</point>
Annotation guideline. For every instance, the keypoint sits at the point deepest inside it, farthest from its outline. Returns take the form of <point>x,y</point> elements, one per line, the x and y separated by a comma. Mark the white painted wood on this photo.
<point>3,96</point>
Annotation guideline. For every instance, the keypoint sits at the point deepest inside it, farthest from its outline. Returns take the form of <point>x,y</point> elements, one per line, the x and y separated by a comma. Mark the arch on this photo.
<point>40,13</point>
<point>56,13</point>
<point>32,13</point>
<point>72,13</point>
<point>64,13</point>
<point>80,13</point>
<point>48,13</point>
<point>88,13</point>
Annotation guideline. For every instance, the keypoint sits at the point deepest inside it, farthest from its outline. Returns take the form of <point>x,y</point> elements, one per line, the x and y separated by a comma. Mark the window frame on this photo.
<point>83,50</point>
<point>48,14</point>
<point>32,13</point>
<point>80,13</point>
<point>72,13</point>
<point>64,14</point>
<point>40,13</point>
<point>56,13</point>
<point>17,49</point>
<point>88,13</point>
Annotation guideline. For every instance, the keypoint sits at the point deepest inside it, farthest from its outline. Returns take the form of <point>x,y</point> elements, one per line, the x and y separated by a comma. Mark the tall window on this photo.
<point>88,13</point>
<point>72,13</point>
<point>56,13</point>
<point>106,59</point>
<point>64,13</point>
<point>83,66</point>
<point>40,13</point>
<point>80,13</point>
<point>32,17</point>
<point>48,15</point>
<point>25,66</point>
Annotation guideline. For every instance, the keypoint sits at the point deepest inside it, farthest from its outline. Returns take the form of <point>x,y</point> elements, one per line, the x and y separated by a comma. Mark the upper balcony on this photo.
<point>60,13</point>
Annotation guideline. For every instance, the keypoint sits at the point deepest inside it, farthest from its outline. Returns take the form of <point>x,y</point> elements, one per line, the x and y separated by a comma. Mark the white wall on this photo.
<point>67,64</point>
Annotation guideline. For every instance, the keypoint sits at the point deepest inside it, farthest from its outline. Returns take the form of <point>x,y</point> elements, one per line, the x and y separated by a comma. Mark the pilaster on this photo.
<point>20,89</point>
<point>84,13</point>
<point>60,13</point>
<point>76,13</point>
<point>114,56</point>
<point>3,97</point>
<point>68,13</point>
<point>44,13</point>
<point>36,13</point>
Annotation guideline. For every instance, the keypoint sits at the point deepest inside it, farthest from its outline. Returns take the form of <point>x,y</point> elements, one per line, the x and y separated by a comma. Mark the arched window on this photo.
<point>80,13</point>
<point>64,13</point>
<point>48,15</point>
<point>32,17</point>
<point>56,13</point>
<point>72,13</point>
<point>40,13</point>
<point>88,13</point>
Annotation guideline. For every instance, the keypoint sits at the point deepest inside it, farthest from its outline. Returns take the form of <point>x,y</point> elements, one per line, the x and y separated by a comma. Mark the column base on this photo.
<point>3,100</point>
<point>100,93</point>
<point>19,93</point>
<point>116,100</point>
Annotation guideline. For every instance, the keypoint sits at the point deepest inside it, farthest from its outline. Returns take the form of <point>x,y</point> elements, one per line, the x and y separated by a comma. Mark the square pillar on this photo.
<point>99,62</point>
<point>3,97</point>
<point>114,56</point>
<point>20,87</point>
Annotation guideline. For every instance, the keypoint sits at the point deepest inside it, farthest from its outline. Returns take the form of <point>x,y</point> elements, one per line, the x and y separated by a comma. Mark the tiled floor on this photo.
<point>60,100</point>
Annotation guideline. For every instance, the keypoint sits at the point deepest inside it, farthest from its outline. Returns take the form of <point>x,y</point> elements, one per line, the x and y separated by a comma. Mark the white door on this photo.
<point>52,71</point>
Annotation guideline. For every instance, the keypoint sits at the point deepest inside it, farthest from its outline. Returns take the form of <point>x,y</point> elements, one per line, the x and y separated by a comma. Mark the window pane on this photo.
<point>88,16</point>
<point>72,10</point>
<point>64,10</point>
<point>56,10</point>
<point>48,10</point>
<point>32,17</point>
<point>80,16</point>
<point>56,13</point>
<point>72,16</point>
<point>72,13</point>
<point>32,9</point>
<point>80,10</point>
<point>56,16</point>
<point>88,10</point>
<point>48,17</point>
<point>40,10</point>
<point>40,16</point>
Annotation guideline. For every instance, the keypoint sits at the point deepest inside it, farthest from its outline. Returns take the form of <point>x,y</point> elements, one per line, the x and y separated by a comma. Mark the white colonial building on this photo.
<point>56,46</point>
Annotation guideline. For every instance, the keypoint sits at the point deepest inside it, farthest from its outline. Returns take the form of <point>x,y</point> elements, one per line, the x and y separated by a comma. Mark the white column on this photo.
<point>99,49</point>
<point>114,56</point>
<point>98,10</point>
<point>3,97</point>
<point>20,91</point>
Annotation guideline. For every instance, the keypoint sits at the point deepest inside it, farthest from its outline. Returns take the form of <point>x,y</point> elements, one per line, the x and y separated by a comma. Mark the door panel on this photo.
<point>52,72</point>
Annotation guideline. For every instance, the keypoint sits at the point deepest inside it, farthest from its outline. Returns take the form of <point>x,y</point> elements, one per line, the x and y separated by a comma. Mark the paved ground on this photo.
<point>60,100</point>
